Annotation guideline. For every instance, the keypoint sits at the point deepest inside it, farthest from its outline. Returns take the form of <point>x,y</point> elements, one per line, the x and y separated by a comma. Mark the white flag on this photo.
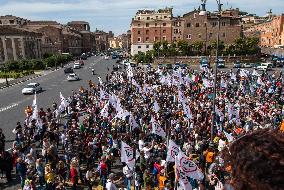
<point>132,122</point>
<point>172,152</point>
<point>35,113</point>
<point>34,101</point>
<point>103,95</point>
<point>158,130</point>
<point>189,167</point>
<point>104,111</point>
<point>63,103</point>
<point>181,176</point>
<point>233,77</point>
<point>156,107</point>
<point>254,73</point>
<point>100,80</point>
<point>223,83</point>
<point>229,136</point>
<point>127,155</point>
<point>259,81</point>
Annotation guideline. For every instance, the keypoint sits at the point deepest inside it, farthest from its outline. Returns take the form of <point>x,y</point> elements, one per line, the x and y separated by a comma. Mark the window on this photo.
<point>164,38</point>
<point>210,35</point>
<point>156,38</point>
<point>139,39</point>
<point>164,24</point>
<point>147,31</point>
<point>138,25</point>
<point>147,39</point>
<point>205,24</point>
<point>175,38</point>
<point>139,32</point>
<point>194,16</point>
<point>224,35</point>
<point>214,24</point>
<point>197,24</point>
<point>223,23</point>
<point>164,31</point>
<point>199,35</point>
<point>165,16</point>
<point>188,25</point>
<point>147,46</point>
<point>11,21</point>
<point>156,24</point>
<point>157,17</point>
<point>139,47</point>
<point>188,36</point>
<point>147,24</point>
<point>0,22</point>
<point>156,31</point>
<point>138,18</point>
<point>148,18</point>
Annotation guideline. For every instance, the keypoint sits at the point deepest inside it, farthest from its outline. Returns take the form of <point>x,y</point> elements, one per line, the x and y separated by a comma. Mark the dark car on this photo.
<point>169,66</point>
<point>237,64</point>
<point>84,57</point>
<point>68,70</point>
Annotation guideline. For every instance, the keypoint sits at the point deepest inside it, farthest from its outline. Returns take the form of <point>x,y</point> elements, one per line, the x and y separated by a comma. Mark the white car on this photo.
<point>32,88</point>
<point>77,65</point>
<point>73,77</point>
<point>106,57</point>
<point>262,67</point>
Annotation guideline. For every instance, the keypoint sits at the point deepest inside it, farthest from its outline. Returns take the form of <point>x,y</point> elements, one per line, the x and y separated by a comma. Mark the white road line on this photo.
<point>8,107</point>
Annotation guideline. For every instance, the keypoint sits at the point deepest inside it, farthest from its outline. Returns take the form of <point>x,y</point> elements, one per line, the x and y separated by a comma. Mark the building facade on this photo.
<point>178,28</point>
<point>88,38</point>
<point>18,43</point>
<point>101,40</point>
<point>204,28</point>
<point>148,27</point>
<point>270,33</point>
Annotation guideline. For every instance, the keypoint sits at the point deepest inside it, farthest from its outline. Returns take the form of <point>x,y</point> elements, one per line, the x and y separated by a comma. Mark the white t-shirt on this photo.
<point>141,144</point>
<point>146,151</point>
<point>110,185</point>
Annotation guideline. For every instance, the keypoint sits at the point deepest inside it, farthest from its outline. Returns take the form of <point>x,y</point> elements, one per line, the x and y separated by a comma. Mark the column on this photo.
<point>5,49</point>
<point>23,48</point>
<point>14,49</point>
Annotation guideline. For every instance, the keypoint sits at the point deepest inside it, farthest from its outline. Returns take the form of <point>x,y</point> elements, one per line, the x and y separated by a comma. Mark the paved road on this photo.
<point>13,103</point>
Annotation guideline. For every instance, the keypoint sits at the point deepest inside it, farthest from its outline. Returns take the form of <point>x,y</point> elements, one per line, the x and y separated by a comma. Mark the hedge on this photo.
<point>15,74</point>
<point>37,64</point>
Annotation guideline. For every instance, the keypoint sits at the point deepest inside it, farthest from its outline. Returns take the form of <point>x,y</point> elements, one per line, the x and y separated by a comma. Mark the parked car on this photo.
<point>255,65</point>
<point>32,88</point>
<point>114,56</point>
<point>177,66</point>
<point>106,57</point>
<point>184,66</point>
<point>247,65</point>
<point>204,62</point>
<point>269,65</point>
<point>221,63</point>
<point>262,67</point>
<point>77,65</point>
<point>169,66</point>
<point>237,64</point>
<point>83,56</point>
<point>73,77</point>
<point>68,70</point>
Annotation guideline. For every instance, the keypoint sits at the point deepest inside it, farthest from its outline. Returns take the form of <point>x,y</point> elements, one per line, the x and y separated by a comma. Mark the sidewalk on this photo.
<point>13,82</point>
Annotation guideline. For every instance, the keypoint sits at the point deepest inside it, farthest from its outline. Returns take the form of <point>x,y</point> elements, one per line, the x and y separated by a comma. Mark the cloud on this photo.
<point>118,13</point>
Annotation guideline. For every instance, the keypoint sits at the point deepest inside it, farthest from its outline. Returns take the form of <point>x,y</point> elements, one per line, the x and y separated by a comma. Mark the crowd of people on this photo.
<point>80,140</point>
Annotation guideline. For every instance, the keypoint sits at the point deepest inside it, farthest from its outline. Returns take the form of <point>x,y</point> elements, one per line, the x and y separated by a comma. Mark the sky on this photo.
<point>116,15</point>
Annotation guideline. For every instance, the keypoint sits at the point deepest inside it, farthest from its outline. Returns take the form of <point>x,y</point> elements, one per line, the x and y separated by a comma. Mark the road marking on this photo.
<point>8,107</point>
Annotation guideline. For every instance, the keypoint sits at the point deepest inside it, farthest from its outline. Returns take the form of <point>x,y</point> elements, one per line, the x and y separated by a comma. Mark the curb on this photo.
<point>19,82</point>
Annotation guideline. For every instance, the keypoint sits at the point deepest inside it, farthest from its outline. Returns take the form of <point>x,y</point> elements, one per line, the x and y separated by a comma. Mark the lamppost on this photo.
<point>203,13</point>
<point>5,66</point>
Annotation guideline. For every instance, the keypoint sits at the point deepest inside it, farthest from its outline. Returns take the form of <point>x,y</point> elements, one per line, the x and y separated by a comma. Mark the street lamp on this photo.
<point>5,67</point>
<point>203,13</point>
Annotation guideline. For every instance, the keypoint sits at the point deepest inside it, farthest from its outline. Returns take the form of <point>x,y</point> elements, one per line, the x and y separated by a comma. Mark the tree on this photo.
<point>213,46</point>
<point>183,47</point>
<point>197,47</point>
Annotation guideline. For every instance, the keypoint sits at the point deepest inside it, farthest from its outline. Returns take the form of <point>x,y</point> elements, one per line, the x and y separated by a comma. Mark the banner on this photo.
<point>156,107</point>
<point>127,155</point>
<point>181,176</point>
<point>104,111</point>
<point>188,167</point>
<point>173,151</point>
<point>157,129</point>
